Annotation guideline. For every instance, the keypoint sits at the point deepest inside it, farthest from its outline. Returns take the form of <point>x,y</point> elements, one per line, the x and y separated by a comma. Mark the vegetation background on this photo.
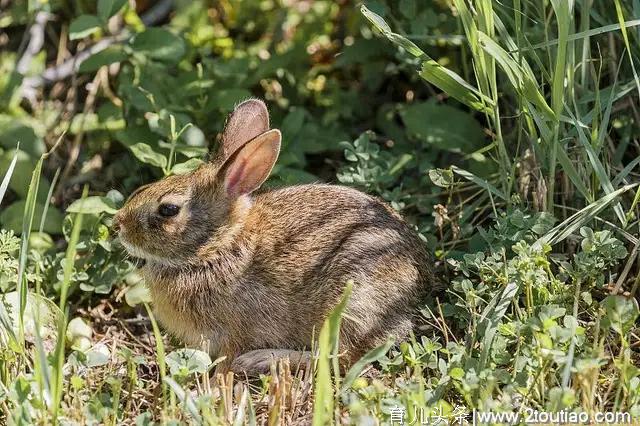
<point>506,132</point>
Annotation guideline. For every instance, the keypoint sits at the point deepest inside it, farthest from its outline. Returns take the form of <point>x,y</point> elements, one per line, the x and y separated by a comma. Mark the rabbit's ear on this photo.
<point>248,120</point>
<point>250,166</point>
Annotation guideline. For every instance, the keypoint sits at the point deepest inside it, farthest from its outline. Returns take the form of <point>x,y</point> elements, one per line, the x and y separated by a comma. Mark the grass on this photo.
<point>543,316</point>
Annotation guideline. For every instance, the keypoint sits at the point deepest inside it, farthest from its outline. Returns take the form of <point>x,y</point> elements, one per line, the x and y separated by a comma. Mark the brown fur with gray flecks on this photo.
<point>247,272</point>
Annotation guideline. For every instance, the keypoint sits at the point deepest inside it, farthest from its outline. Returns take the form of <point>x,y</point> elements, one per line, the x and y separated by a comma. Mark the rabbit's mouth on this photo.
<point>137,261</point>
<point>145,257</point>
<point>134,251</point>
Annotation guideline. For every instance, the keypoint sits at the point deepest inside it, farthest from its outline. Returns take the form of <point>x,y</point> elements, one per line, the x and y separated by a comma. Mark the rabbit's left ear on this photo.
<point>248,120</point>
<point>251,165</point>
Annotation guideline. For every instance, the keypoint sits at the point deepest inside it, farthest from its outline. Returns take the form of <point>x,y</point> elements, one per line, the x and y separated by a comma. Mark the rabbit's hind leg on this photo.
<point>259,361</point>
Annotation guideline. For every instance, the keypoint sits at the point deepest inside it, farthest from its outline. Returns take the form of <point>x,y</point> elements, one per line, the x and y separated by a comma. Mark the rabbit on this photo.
<point>254,274</point>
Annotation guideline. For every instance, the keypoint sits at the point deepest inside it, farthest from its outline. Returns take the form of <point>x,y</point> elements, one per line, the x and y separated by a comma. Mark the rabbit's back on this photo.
<point>312,239</point>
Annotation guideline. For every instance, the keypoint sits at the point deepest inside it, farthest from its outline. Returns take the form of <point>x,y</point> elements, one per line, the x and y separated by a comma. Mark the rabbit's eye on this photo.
<point>168,210</point>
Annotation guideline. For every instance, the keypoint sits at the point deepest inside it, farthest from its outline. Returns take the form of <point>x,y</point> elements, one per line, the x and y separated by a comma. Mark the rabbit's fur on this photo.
<point>247,272</point>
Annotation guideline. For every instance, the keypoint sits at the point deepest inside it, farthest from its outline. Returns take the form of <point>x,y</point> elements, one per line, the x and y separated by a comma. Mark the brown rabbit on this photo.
<point>256,275</point>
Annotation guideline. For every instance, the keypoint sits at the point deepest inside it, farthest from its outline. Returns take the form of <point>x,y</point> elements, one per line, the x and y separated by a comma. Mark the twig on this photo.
<point>627,268</point>
<point>68,67</point>
<point>77,141</point>
<point>36,41</point>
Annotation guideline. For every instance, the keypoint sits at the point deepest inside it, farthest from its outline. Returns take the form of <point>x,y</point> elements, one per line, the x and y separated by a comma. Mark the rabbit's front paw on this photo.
<point>253,363</point>
<point>259,361</point>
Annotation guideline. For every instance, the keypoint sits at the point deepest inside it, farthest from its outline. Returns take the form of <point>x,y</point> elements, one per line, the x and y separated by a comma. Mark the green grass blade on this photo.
<point>185,398</point>
<point>580,218</point>
<point>585,45</point>
<point>468,23</point>
<point>561,9</point>
<point>521,80</point>
<point>323,391</point>
<point>7,326</point>
<point>478,181</point>
<point>242,406</point>
<point>625,172</point>
<point>513,46</point>
<point>620,91</point>
<point>604,122</point>
<point>7,176</point>
<point>41,367</point>
<point>590,33</point>
<point>27,224</point>
<point>634,204</point>
<point>252,418</point>
<point>441,77</point>
<point>563,18</point>
<point>543,128</point>
<point>70,255</point>
<point>572,173</point>
<point>357,368</point>
<point>453,85</point>
<point>161,353</point>
<point>625,37</point>
<point>491,317</point>
<point>47,203</point>
<point>68,268</point>
<point>479,60</point>
<point>327,351</point>
<point>335,321</point>
<point>598,167</point>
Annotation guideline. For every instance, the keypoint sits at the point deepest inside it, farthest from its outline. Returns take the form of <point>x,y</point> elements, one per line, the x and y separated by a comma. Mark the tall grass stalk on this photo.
<point>482,20</point>
<point>563,11</point>
<point>160,354</point>
<point>27,225</point>
<point>328,343</point>
<point>625,37</point>
<point>7,176</point>
<point>59,355</point>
